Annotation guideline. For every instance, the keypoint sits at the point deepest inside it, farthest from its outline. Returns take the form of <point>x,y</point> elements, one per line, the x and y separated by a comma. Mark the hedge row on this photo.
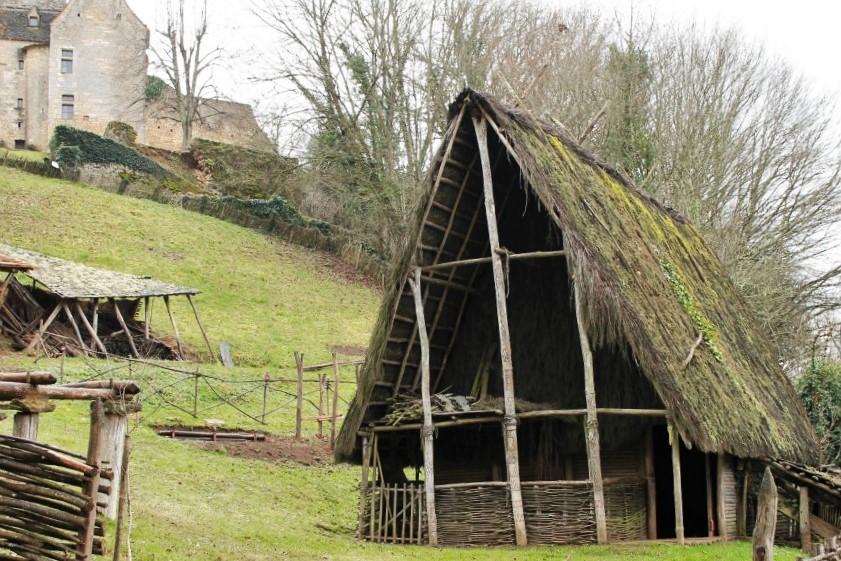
<point>98,150</point>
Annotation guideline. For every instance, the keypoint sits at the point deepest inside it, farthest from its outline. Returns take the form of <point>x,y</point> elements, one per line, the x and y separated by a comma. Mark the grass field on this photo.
<point>267,299</point>
<point>22,155</point>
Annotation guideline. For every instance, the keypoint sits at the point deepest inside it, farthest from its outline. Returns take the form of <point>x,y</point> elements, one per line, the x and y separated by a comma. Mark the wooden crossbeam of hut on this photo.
<point>62,310</point>
<point>589,361</point>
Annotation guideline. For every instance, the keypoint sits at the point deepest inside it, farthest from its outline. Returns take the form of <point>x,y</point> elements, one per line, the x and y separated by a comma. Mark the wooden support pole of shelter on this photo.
<point>708,480</point>
<point>721,492</point>
<point>594,463</point>
<point>428,431</point>
<point>119,315</point>
<point>123,504</point>
<point>766,519</point>
<point>743,505</point>
<point>512,460</point>
<point>805,523</point>
<point>91,330</point>
<point>335,416</point>
<point>95,316</point>
<point>174,327</point>
<point>363,486</point>
<point>84,348</point>
<point>26,425</point>
<point>651,485</point>
<point>674,436</point>
<point>147,317</point>
<point>201,327</point>
<point>299,407</point>
<point>483,260</point>
<point>39,336</point>
<point>86,535</point>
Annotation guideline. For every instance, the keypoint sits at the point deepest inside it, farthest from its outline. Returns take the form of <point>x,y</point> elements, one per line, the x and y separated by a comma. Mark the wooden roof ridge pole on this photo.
<point>428,430</point>
<point>201,327</point>
<point>591,424</point>
<point>119,315</point>
<point>175,328</point>
<point>90,328</point>
<point>512,460</point>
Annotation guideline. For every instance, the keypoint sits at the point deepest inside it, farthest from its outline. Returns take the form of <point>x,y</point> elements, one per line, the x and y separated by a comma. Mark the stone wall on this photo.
<point>12,88</point>
<point>109,66</point>
<point>37,89</point>
<point>221,121</point>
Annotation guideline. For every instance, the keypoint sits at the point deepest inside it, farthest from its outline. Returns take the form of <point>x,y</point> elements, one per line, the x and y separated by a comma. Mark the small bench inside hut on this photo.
<point>560,360</point>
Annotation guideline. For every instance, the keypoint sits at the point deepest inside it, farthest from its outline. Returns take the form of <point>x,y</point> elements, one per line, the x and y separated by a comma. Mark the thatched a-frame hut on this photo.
<point>559,359</point>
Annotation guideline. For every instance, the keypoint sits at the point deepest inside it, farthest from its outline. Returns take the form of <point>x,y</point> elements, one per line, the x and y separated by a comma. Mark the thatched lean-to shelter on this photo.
<point>82,310</point>
<point>559,359</point>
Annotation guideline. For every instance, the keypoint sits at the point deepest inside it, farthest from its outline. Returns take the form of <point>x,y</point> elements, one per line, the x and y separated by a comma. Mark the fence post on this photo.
<point>196,394</point>
<point>335,415</point>
<point>299,413</point>
<point>322,378</point>
<point>265,397</point>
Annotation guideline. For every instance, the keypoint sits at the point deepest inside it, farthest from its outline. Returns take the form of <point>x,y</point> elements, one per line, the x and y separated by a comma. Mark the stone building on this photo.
<point>81,63</point>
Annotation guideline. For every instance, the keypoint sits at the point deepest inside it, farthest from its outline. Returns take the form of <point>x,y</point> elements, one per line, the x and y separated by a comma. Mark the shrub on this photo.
<point>121,132</point>
<point>69,157</point>
<point>98,150</point>
<point>820,389</point>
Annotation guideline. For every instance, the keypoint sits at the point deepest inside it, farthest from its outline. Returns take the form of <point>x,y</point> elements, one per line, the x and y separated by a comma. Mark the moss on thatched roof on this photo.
<point>651,284</point>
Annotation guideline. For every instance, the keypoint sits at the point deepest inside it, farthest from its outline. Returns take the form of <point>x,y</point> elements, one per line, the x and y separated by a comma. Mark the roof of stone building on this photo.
<point>72,280</point>
<point>14,20</point>
<point>11,264</point>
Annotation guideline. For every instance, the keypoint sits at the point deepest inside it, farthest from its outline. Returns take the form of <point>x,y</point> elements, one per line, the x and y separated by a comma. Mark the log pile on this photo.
<point>69,323</point>
<point>409,407</point>
<point>44,510</point>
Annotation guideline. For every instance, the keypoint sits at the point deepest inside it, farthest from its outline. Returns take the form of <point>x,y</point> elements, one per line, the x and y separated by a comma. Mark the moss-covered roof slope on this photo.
<point>650,283</point>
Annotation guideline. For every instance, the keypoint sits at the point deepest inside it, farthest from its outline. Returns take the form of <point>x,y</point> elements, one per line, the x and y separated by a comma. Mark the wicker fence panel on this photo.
<point>473,515</point>
<point>43,509</point>
<point>559,512</point>
<point>626,511</point>
<point>394,513</point>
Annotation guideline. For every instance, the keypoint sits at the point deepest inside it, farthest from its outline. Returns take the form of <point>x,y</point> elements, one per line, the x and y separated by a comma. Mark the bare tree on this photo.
<point>183,57</point>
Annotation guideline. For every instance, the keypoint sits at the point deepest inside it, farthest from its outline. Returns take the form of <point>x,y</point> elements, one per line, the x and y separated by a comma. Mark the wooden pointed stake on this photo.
<point>119,315</point>
<point>766,519</point>
<point>512,459</point>
<point>428,430</point>
<point>175,328</point>
<point>201,328</point>
<point>90,329</point>
<point>594,462</point>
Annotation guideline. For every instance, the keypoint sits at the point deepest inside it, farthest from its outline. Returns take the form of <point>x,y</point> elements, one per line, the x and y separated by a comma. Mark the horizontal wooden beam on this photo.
<point>33,378</point>
<point>12,390</point>
<point>482,260</point>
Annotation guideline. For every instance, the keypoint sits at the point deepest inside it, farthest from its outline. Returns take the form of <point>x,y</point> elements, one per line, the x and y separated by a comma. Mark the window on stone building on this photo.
<point>20,103</point>
<point>66,61</point>
<point>33,21</point>
<point>67,103</point>
<point>20,64</point>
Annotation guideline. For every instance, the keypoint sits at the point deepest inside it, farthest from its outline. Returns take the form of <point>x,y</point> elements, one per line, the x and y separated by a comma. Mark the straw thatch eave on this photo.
<point>650,283</point>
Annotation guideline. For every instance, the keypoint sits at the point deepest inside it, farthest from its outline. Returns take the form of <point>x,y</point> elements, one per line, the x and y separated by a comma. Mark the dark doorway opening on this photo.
<point>698,478</point>
<point>20,144</point>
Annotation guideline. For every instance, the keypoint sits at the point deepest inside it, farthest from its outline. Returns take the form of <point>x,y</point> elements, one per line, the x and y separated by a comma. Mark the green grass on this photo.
<point>22,155</point>
<point>267,299</point>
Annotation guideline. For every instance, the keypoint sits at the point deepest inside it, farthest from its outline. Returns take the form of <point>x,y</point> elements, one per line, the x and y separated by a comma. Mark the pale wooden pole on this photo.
<point>174,327</point>
<point>90,329</point>
<point>594,462</point>
<point>86,535</point>
<point>708,480</point>
<point>766,519</point>
<point>299,406</point>
<point>147,316</point>
<point>676,479</point>
<point>805,523</point>
<point>512,460</point>
<point>119,315</point>
<point>363,486</point>
<point>428,430</point>
<point>26,425</point>
<point>75,327</point>
<point>335,415</point>
<point>651,484</point>
<point>201,327</point>
<point>112,436</point>
<point>721,493</point>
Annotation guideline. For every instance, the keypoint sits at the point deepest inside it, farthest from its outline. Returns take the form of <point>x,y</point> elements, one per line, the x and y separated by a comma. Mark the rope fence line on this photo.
<point>196,393</point>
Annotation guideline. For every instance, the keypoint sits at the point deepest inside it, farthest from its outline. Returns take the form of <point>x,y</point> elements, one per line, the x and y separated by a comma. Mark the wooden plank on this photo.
<point>428,431</point>
<point>766,519</point>
<point>118,314</point>
<point>651,485</point>
<point>594,465</point>
<point>721,494</point>
<point>510,422</point>
<point>678,489</point>
<point>805,522</point>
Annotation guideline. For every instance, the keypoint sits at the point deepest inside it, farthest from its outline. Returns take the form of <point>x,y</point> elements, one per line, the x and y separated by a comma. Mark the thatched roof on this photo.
<point>72,280</point>
<point>650,283</point>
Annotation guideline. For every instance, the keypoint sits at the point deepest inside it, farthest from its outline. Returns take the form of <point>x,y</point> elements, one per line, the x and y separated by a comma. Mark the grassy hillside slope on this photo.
<point>267,299</point>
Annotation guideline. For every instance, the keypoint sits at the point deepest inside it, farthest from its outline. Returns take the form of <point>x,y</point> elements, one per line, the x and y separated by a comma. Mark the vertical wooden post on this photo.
<point>674,436</point>
<point>743,507</point>
<point>26,425</point>
<point>512,460</point>
<point>723,466</point>
<point>594,463</point>
<point>428,430</point>
<point>766,519</point>
<point>91,331</point>
<point>299,408</point>
<point>335,415</point>
<point>266,380</point>
<point>76,331</point>
<point>651,484</point>
<point>174,327</point>
<point>708,480</point>
<point>124,485</point>
<point>363,487</point>
<point>147,316</point>
<point>201,327</point>
<point>805,523</point>
<point>321,380</point>
<point>112,436</point>
<point>86,535</point>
